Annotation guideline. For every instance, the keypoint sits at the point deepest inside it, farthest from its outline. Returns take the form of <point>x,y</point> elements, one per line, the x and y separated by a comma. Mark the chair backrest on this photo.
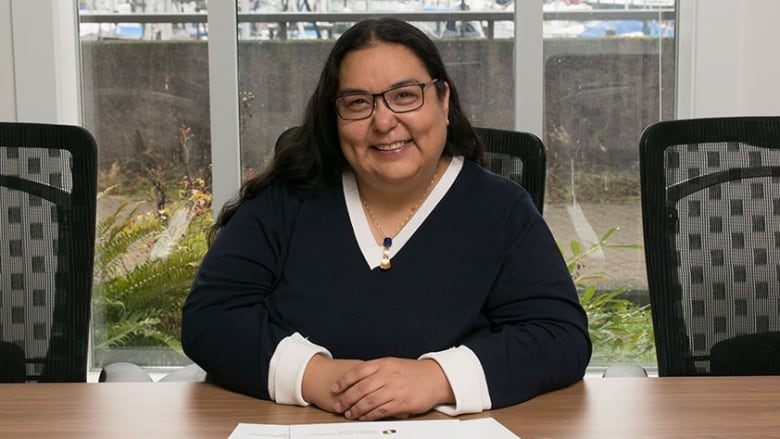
<point>517,155</point>
<point>48,176</point>
<point>711,222</point>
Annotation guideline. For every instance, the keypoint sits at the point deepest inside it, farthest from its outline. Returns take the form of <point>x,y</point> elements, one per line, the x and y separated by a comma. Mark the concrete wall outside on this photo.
<point>599,93</point>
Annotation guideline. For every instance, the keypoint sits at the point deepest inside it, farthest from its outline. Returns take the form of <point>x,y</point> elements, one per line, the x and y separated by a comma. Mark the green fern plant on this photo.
<point>621,331</point>
<point>144,266</point>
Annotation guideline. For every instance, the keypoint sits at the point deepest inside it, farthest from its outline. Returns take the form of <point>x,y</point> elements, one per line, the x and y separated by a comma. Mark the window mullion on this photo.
<point>528,67</point>
<point>223,89</point>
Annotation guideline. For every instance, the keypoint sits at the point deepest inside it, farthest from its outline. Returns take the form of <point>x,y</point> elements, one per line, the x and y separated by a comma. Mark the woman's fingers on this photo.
<point>354,375</point>
<point>388,387</point>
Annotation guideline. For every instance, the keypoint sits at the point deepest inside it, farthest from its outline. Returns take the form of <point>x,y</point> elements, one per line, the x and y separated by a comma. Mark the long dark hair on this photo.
<point>311,157</point>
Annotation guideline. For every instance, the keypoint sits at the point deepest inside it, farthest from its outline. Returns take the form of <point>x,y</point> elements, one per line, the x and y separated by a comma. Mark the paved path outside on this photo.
<point>588,222</point>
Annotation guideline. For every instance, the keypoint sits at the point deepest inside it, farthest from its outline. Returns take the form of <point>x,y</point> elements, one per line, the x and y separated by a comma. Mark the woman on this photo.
<point>375,269</point>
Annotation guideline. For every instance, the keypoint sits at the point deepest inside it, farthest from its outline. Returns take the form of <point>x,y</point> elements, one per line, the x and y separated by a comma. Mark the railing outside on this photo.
<point>323,22</point>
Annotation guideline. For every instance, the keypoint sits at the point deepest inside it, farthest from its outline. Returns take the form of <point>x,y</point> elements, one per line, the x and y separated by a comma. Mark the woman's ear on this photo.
<point>445,99</point>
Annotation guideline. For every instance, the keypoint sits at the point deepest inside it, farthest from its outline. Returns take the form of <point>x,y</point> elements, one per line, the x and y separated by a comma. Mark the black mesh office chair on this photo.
<point>519,156</point>
<point>711,220</point>
<point>48,176</point>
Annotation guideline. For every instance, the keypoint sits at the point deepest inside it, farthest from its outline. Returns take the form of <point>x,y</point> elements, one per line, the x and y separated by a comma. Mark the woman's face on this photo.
<point>396,149</point>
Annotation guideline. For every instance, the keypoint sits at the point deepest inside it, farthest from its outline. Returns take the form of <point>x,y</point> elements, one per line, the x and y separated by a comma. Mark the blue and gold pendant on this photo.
<point>385,264</point>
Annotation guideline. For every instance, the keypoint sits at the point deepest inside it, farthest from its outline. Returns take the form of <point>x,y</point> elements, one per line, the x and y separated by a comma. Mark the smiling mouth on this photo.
<point>390,146</point>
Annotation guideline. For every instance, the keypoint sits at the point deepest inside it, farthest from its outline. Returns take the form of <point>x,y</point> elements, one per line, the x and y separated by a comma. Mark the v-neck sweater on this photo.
<point>479,271</point>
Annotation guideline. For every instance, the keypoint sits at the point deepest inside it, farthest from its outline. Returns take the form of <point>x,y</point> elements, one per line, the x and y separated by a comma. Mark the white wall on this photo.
<point>759,74</point>
<point>39,76</point>
<point>729,61</point>
<point>7,95</point>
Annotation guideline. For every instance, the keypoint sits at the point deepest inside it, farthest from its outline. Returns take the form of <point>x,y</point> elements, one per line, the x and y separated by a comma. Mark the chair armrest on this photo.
<point>625,370</point>
<point>190,374</point>
<point>122,372</point>
<point>12,363</point>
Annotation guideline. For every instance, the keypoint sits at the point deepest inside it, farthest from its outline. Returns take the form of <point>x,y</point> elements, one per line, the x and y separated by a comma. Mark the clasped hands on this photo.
<point>376,389</point>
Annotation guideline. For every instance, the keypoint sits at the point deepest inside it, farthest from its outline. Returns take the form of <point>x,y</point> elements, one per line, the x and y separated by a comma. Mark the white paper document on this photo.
<point>487,428</point>
<point>260,431</point>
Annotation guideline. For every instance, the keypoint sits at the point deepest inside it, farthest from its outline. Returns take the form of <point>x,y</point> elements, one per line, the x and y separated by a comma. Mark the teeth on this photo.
<point>390,146</point>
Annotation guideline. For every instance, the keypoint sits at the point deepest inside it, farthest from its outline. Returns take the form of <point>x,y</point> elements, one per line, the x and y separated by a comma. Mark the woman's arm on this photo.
<point>227,325</point>
<point>538,336</point>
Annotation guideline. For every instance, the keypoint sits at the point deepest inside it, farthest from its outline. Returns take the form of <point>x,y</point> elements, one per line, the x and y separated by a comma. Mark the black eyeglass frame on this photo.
<point>422,86</point>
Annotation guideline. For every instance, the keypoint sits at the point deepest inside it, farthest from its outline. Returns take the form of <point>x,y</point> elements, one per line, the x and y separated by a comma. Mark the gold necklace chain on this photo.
<point>388,239</point>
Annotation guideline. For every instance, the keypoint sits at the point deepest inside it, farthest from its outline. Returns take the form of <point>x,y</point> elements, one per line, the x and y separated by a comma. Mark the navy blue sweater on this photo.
<point>482,270</point>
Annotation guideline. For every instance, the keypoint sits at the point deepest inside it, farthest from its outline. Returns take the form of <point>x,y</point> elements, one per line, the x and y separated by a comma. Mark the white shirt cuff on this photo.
<point>467,379</point>
<point>285,373</point>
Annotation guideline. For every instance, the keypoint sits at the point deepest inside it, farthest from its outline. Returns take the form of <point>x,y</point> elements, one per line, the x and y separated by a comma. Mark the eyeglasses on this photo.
<point>401,99</point>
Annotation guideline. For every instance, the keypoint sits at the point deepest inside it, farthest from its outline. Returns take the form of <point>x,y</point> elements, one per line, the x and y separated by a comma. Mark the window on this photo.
<point>604,81</point>
<point>146,97</point>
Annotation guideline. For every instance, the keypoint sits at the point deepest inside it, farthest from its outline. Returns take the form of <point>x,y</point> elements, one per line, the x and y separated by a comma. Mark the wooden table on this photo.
<point>598,408</point>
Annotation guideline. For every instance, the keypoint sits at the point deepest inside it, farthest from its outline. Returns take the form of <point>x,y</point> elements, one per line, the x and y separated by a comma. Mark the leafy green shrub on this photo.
<point>621,331</point>
<point>144,266</point>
